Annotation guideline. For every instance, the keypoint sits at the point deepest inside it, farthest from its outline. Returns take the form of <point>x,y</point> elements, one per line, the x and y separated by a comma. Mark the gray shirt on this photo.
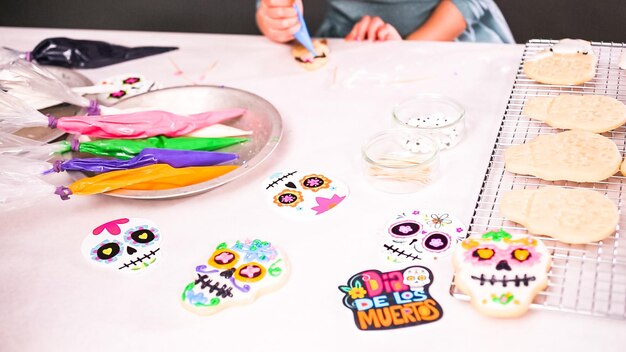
<point>485,22</point>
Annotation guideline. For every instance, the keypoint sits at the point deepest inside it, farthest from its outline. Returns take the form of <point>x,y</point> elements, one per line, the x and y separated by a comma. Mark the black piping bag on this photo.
<point>75,53</point>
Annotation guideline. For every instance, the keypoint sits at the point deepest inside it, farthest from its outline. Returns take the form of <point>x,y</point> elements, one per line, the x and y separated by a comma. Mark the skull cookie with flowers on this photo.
<point>501,272</point>
<point>236,273</point>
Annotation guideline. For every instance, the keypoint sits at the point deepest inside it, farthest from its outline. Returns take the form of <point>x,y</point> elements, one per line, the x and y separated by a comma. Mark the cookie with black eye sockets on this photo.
<point>501,272</point>
<point>306,59</point>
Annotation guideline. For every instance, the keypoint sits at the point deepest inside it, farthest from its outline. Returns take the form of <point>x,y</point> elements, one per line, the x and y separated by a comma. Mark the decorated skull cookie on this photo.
<point>421,235</point>
<point>126,86</point>
<point>304,194</point>
<point>235,273</point>
<point>501,272</point>
<point>125,245</point>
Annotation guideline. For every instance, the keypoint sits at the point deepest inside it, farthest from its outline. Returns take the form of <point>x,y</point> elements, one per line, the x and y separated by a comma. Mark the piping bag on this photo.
<point>75,53</point>
<point>302,35</point>
<point>20,187</point>
<point>148,156</point>
<point>13,145</point>
<point>14,115</point>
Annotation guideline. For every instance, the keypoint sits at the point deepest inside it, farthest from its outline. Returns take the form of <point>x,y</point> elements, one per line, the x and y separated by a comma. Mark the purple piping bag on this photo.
<point>148,156</point>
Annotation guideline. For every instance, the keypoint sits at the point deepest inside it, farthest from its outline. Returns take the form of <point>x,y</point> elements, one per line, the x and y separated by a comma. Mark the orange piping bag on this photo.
<point>152,177</point>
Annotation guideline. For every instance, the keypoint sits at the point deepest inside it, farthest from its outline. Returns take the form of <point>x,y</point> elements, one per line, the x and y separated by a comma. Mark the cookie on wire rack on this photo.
<point>578,156</point>
<point>593,113</point>
<point>569,62</point>
<point>571,215</point>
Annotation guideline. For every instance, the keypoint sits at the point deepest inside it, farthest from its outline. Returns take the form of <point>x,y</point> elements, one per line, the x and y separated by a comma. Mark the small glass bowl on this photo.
<point>400,160</point>
<point>437,115</point>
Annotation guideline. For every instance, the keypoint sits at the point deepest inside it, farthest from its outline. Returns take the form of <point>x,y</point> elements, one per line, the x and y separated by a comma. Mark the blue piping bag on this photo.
<point>302,35</point>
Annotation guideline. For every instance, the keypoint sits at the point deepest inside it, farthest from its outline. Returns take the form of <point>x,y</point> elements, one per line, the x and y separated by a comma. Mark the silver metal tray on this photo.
<point>261,118</point>
<point>72,79</point>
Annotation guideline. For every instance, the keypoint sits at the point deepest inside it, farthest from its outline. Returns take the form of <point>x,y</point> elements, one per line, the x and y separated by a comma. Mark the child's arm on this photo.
<point>445,24</point>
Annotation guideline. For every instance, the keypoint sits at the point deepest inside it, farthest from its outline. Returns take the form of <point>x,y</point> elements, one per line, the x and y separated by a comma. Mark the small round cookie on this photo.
<point>593,113</point>
<point>306,59</point>
<point>569,215</point>
<point>568,62</point>
<point>578,156</point>
<point>501,272</point>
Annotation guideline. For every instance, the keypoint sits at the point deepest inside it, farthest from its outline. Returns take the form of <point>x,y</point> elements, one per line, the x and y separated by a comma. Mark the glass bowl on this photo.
<point>400,160</point>
<point>436,115</point>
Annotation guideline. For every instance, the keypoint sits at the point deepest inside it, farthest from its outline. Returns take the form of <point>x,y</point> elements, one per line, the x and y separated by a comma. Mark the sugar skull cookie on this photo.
<point>126,245</point>
<point>568,62</point>
<point>306,59</point>
<point>126,86</point>
<point>502,273</point>
<point>235,273</point>
<point>416,235</point>
<point>304,194</point>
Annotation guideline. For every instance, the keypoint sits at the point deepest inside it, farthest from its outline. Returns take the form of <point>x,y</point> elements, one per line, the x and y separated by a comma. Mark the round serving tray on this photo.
<point>261,118</point>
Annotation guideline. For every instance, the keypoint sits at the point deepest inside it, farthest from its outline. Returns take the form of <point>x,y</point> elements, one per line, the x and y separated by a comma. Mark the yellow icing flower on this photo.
<point>357,292</point>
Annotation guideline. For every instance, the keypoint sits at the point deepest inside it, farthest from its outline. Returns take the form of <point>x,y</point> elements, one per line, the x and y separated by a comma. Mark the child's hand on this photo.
<point>277,19</point>
<point>373,29</point>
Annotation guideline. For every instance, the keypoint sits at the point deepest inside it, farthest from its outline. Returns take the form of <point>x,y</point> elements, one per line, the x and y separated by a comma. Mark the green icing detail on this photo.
<point>187,288</point>
<point>497,236</point>
<point>503,299</point>
<point>222,246</point>
<point>275,271</point>
<point>213,302</point>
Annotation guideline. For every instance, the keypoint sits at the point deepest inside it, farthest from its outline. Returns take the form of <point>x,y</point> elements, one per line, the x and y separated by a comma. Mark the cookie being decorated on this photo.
<point>569,62</point>
<point>306,59</point>
<point>235,274</point>
<point>502,273</point>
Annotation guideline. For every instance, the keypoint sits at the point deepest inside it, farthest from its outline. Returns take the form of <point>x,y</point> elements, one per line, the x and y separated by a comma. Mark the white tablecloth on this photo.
<point>52,299</point>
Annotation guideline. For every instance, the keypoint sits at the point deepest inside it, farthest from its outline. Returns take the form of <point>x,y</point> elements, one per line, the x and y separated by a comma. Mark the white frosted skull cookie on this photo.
<point>236,273</point>
<point>125,245</point>
<point>304,194</point>
<point>421,235</point>
<point>502,273</point>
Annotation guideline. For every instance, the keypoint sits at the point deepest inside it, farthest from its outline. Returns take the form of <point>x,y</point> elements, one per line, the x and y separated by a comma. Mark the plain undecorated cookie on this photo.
<point>569,215</point>
<point>578,156</point>
<point>307,60</point>
<point>593,113</point>
<point>562,69</point>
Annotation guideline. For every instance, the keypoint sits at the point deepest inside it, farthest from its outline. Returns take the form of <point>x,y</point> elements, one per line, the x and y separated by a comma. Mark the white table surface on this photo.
<point>52,299</point>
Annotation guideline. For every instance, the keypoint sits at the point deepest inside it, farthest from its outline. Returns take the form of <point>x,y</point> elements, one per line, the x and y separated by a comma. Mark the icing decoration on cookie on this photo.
<point>127,85</point>
<point>502,273</point>
<point>125,245</point>
<point>421,235</point>
<point>237,273</point>
<point>571,46</point>
<point>306,59</point>
<point>390,300</point>
<point>304,194</point>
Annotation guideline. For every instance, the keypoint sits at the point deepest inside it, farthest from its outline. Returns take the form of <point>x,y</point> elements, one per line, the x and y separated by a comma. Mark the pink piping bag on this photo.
<point>14,115</point>
<point>142,124</point>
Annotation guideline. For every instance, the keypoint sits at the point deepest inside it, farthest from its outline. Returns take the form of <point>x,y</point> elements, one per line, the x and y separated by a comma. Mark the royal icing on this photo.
<point>304,194</point>
<point>127,245</point>
<point>389,300</point>
<point>235,273</point>
<point>127,85</point>
<point>421,235</point>
<point>501,272</point>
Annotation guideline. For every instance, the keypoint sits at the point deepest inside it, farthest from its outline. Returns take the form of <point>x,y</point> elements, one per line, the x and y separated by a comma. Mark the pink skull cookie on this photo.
<point>502,273</point>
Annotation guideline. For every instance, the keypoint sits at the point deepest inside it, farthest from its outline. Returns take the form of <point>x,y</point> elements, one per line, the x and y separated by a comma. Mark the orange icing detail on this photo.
<point>485,253</point>
<point>469,243</point>
<point>521,254</point>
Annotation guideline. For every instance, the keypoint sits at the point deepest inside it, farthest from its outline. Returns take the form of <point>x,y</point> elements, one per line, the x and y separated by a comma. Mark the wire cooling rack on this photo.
<point>587,279</point>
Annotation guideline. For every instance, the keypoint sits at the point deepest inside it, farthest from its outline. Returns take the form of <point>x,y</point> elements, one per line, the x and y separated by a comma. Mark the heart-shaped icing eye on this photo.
<point>520,254</point>
<point>484,253</point>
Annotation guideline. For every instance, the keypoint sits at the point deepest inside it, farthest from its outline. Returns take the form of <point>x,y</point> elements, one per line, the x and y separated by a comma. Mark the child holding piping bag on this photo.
<point>381,20</point>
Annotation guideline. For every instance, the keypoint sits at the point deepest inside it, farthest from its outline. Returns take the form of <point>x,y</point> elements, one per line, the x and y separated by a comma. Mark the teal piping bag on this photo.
<point>302,35</point>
